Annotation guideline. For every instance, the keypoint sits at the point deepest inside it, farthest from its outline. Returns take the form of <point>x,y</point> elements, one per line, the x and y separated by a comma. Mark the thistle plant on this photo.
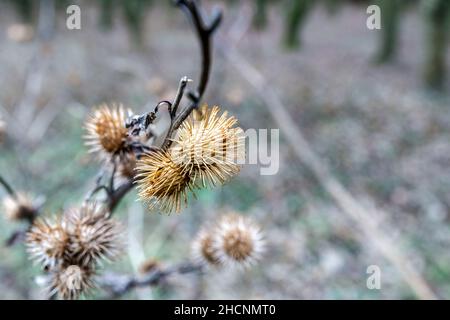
<point>203,147</point>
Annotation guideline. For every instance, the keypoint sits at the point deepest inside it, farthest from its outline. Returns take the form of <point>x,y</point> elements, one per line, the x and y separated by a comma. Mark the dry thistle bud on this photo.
<point>203,250</point>
<point>93,236</point>
<point>162,182</point>
<point>209,149</point>
<point>106,132</point>
<point>19,207</point>
<point>237,240</point>
<point>47,242</point>
<point>68,283</point>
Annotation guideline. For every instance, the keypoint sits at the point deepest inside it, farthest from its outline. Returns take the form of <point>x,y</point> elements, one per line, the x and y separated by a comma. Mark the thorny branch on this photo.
<point>118,285</point>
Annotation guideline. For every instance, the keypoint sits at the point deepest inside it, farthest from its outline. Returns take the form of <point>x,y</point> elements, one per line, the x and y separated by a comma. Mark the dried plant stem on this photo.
<point>364,217</point>
<point>119,285</point>
<point>7,187</point>
<point>204,32</point>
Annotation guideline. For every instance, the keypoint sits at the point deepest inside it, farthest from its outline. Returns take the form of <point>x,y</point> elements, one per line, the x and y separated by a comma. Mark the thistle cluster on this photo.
<point>207,151</point>
<point>70,248</point>
<point>234,240</point>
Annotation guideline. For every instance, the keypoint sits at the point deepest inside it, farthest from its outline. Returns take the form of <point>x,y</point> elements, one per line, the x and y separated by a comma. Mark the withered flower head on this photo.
<point>68,283</point>
<point>93,236</point>
<point>238,240</point>
<point>19,207</point>
<point>203,250</point>
<point>209,146</point>
<point>47,242</point>
<point>162,183</point>
<point>106,132</point>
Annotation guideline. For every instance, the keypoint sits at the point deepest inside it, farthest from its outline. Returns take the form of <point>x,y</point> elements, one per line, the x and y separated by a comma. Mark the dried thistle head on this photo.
<point>106,132</point>
<point>19,207</point>
<point>238,240</point>
<point>203,250</point>
<point>209,146</point>
<point>70,282</point>
<point>162,183</point>
<point>93,235</point>
<point>47,242</point>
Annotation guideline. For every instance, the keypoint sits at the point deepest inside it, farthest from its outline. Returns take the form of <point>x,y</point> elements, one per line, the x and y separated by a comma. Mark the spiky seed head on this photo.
<point>106,132</point>
<point>19,207</point>
<point>93,236</point>
<point>47,242</point>
<point>162,183</point>
<point>70,282</point>
<point>210,149</point>
<point>238,240</point>
<point>203,250</point>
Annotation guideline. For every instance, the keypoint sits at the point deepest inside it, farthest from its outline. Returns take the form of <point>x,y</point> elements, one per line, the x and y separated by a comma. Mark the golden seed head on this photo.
<point>106,132</point>
<point>209,146</point>
<point>161,182</point>
<point>93,236</point>
<point>203,250</point>
<point>238,240</point>
<point>20,207</point>
<point>47,242</point>
<point>68,283</point>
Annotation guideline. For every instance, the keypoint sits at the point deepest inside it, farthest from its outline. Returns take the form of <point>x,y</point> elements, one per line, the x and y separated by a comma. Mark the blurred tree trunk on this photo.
<point>106,13</point>
<point>25,9</point>
<point>437,18</point>
<point>332,6</point>
<point>390,12</point>
<point>296,12</point>
<point>134,11</point>
<point>260,15</point>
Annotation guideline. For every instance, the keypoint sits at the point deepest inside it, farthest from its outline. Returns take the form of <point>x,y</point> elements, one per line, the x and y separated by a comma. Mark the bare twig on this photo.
<point>119,285</point>
<point>7,187</point>
<point>363,216</point>
<point>176,102</point>
<point>204,32</point>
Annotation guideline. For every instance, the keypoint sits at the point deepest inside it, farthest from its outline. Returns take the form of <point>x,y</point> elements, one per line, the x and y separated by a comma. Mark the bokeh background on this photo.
<point>372,104</point>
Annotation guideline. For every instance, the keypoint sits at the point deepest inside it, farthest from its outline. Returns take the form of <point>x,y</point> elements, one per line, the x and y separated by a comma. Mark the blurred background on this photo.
<point>372,106</point>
